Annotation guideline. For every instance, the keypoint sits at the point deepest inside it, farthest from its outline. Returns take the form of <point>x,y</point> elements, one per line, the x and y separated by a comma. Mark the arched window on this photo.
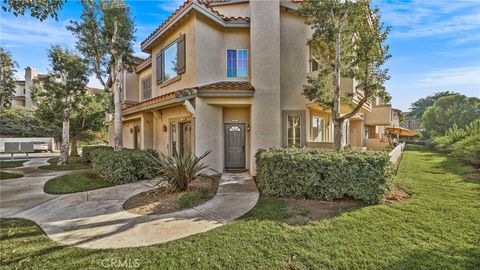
<point>234,129</point>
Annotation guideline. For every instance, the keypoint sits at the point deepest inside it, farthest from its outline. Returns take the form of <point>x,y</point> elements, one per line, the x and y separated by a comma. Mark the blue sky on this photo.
<point>435,44</point>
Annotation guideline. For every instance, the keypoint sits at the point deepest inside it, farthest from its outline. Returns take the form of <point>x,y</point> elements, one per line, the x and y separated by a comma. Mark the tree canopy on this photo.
<point>40,9</point>
<point>420,106</point>
<point>348,41</point>
<point>7,78</point>
<point>448,111</point>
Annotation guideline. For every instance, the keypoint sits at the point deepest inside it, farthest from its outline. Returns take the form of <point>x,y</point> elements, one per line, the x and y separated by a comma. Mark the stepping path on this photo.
<point>96,219</point>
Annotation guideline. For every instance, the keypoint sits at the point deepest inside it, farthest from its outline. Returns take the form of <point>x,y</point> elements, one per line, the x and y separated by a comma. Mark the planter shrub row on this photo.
<point>324,174</point>
<point>125,166</point>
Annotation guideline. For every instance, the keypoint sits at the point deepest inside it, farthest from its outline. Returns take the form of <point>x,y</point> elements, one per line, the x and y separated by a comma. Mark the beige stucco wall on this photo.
<point>130,83</point>
<point>161,139</point>
<point>127,136</point>
<point>294,54</point>
<point>213,41</point>
<point>356,130</point>
<point>209,127</point>
<point>187,79</point>
<point>375,144</point>
<point>234,10</point>
<point>142,75</point>
<point>265,66</point>
<point>380,115</point>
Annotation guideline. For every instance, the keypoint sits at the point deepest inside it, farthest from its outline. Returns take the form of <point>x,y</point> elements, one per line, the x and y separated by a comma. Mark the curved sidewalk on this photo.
<point>96,219</point>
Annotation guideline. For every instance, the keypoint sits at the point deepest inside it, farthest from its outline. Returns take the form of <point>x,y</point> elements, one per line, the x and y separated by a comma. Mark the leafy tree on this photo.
<point>105,36</point>
<point>7,78</point>
<point>348,41</point>
<point>40,9</point>
<point>21,122</point>
<point>88,118</point>
<point>448,111</point>
<point>420,106</point>
<point>61,92</point>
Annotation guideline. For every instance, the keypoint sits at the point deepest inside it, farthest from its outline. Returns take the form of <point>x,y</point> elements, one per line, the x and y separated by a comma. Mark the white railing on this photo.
<point>396,153</point>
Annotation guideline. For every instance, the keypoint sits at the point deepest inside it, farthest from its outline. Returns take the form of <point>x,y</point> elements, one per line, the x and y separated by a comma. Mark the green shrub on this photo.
<point>324,174</point>
<point>187,199</point>
<point>468,150</point>
<point>87,151</point>
<point>125,166</point>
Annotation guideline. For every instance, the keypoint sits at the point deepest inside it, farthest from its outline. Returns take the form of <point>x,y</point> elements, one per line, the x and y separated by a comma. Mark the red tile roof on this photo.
<point>228,85</point>
<point>151,101</point>
<point>186,4</point>
<point>144,64</point>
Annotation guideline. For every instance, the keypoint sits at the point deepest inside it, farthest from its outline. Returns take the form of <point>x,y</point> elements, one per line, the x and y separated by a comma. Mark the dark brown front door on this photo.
<point>235,146</point>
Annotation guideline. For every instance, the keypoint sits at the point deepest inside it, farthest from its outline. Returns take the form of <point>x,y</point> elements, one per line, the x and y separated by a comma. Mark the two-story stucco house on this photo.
<point>22,96</point>
<point>228,76</point>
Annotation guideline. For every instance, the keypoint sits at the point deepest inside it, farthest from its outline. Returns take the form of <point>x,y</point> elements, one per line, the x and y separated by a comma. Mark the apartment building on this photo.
<point>228,76</point>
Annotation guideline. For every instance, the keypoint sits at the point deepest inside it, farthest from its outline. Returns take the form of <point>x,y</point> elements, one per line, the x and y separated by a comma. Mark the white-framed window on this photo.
<point>147,87</point>
<point>294,129</point>
<point>169,61</point>
<point>237,63</point>
<point>318,124</point>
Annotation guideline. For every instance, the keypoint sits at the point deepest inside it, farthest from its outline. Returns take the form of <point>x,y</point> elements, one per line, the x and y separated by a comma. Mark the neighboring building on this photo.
<point>228,76</point>
<point>411,122</point>
<point>23,89</point>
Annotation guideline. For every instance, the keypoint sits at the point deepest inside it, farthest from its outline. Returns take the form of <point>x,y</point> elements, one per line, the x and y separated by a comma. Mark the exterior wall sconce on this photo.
<point>164,128</point>
<point>248,127</point>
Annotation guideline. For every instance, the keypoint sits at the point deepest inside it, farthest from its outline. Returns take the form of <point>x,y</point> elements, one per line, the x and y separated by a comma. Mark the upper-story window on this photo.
<point>313,63</point>
<point>171,60</point>
<point>147,87</point>
<point>237,63</point>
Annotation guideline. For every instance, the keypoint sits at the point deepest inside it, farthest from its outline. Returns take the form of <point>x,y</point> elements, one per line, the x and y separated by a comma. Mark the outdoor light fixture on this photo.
<point>164,128</point>
<point>248,127</point>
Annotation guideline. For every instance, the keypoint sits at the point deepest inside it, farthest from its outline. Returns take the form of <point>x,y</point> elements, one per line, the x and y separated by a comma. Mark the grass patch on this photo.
<point>191,198</point>
<point>7,175</point>
<point>75,182</point>
<point>74,163</point>
<point>437,228</point>
<point>11,163</point>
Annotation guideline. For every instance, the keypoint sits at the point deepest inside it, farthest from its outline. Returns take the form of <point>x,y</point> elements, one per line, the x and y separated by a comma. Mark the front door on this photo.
<point>185,138</point>
<point>235,146</point>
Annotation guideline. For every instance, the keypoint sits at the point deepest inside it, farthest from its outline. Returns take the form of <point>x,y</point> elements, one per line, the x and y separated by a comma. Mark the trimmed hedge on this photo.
<point>87,151</point>
<point>125,166</point>
<point>324,174</point>
<point>468,150</point>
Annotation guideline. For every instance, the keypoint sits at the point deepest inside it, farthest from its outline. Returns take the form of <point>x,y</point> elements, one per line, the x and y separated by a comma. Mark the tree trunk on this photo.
<point>63,160</point>
<point>337,120</point>
<point>338,134</point>
<point>74,149</point>
<point>117,116</point>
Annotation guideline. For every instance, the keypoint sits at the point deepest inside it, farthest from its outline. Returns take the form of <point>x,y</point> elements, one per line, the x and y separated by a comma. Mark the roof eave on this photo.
<point>193,6</point>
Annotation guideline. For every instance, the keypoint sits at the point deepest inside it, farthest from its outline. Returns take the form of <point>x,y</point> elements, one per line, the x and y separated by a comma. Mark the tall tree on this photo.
<point>40,9</point>
<point>420,106</point>
<point>88,119</point>
<point>448,111</point>
<point>105,36</point>
<point>348,41</point>
<point>7,78</point>
<point>62,89</point>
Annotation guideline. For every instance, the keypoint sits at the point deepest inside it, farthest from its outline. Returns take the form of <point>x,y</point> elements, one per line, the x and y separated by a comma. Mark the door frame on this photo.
<point>225,145</point>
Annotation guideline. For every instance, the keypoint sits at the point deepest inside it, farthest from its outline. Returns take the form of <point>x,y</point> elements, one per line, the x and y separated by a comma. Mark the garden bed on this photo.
<point>161,200</point>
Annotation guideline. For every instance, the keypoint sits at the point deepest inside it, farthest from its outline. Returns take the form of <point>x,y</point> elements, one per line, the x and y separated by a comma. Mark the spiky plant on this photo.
<point>181,170</point>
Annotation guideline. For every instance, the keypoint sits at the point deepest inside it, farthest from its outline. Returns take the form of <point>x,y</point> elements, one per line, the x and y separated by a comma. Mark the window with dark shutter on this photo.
<point>181,55</point>
<point>158,66</point>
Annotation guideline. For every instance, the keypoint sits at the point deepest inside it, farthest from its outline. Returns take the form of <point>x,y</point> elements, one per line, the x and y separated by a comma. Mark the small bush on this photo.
<point>324,174</point>
<point>188,199</point>
<point>468,150</point>
<point>87,151</point>
<point>125,166</point>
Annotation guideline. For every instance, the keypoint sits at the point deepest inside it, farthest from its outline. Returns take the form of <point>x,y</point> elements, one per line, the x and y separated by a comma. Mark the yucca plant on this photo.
<point>181,170</point>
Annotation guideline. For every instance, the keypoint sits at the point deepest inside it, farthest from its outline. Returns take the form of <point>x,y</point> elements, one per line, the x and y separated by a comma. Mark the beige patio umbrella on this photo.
<point>399,131</point>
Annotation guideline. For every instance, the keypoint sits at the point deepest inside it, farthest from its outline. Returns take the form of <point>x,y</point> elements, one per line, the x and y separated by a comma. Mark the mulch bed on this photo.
<point>161,200</point>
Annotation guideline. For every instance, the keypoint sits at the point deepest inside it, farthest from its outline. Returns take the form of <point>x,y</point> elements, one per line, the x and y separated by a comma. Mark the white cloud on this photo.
<point>29,32</point>
<point>430,18</point>
<point>170,5</point>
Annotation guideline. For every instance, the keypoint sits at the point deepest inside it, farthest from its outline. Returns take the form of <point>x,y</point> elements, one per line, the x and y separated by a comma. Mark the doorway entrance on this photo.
<point>235,146</point>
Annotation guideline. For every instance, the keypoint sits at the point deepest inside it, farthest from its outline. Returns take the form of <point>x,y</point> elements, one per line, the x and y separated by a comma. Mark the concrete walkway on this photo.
<point>96,219</point>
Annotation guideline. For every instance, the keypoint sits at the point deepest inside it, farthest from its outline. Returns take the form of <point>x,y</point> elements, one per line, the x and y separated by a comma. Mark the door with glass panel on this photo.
<point>235,146</point>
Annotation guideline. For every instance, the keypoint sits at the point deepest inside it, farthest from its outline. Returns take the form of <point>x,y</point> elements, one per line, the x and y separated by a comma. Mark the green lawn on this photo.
<point>75,182</point>
<point>4,164</point>
<point>74,163</point>
<point>7,175</point>
<point>437,228</point>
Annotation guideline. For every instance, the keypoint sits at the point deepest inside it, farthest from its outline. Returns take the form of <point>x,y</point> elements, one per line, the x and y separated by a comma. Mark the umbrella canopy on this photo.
<point>401,131</point>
